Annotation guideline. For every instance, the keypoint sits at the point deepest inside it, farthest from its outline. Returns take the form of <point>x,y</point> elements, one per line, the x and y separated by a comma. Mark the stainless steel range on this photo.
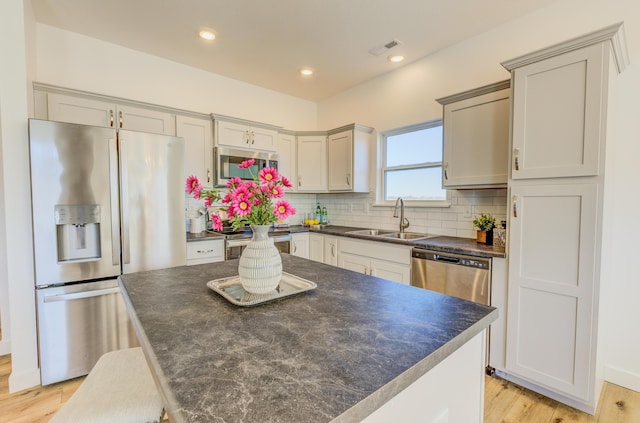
<point>236,241</point>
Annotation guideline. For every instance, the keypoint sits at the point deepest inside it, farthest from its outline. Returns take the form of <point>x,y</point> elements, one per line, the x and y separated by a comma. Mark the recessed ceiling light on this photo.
<point>396,58</point>
<point>306,71</point>
<point>206,34</point>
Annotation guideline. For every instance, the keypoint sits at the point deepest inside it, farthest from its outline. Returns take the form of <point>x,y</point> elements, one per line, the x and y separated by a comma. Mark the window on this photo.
<point>412,163</point>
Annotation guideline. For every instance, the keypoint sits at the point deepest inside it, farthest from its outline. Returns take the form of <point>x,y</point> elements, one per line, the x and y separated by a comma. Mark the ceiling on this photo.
<point>266,43</point>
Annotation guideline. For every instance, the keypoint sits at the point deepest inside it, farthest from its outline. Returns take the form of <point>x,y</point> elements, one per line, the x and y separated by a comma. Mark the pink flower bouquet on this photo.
<point>248,202</point>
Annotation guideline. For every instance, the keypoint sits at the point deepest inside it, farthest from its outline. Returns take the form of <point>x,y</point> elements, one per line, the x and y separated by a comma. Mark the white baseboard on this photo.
<point>5,346</point>
<point>24,380</point>
<point>623,378</point>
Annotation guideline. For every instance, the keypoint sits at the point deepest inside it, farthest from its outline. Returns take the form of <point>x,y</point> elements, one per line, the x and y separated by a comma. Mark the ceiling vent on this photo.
<point>377,51</point>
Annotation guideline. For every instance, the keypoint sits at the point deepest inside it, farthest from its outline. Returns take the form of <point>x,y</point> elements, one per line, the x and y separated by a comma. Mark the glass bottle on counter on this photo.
<point>318,215</point>
<point>323,217</point>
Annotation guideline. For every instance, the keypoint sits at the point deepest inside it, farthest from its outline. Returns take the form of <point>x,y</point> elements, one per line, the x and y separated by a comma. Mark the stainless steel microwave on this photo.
<point>227,161</point>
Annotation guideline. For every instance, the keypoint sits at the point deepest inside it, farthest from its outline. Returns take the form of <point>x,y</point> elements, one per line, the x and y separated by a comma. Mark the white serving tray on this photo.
<point>231,289</point>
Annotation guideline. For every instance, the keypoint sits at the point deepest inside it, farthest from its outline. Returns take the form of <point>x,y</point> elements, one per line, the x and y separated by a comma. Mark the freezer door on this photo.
<point>152,201</point>
<point>74,190</point>
<point>77,324</point>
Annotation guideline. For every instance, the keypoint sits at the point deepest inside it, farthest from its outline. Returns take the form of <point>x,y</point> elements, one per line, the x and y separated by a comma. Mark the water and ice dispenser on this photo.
<point>78,232</point>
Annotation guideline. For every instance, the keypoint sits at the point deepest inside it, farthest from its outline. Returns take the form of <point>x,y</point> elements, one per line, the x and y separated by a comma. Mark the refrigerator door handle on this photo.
<point>124,200</point>
<point>80,295</point>
<point>115,224</point>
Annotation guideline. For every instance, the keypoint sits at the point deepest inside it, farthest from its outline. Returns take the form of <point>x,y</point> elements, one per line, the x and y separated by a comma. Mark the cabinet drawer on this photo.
<point>199,252</point>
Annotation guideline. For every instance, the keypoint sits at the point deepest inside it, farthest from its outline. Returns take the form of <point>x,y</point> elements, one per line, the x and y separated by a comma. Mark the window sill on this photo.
<point>422,204</point>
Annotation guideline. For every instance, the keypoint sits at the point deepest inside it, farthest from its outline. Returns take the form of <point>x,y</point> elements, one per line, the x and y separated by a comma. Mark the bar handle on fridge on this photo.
<point>115,221</point>
<point>80,295</point>
<point>124,200</point>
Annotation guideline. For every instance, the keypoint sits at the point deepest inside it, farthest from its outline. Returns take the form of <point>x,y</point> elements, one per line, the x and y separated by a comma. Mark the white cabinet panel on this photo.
<point>316,247</point>
<point>208,251</point>
<point>286,148</point>
<point>300,245</point>
<point>198,138</point>
<point>331,250</point>
<point>66,108</point>
<point>379,259</point>
<point>340,161</point>
<point>392,271</point>
<point>552,276</point>
<point>355,263</point>
<point>312,163</point>
<point>476,139</point>
<point>242,135</point>
<point>557,115</point>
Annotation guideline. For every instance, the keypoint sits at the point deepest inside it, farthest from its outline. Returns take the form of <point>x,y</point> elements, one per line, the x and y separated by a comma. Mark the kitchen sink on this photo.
<point>406,235</point>
<point>370,232</point>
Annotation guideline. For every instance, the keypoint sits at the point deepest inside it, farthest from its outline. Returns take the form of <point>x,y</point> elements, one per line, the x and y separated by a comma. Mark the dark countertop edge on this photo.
<point>446,244</point>
<point>169,402</point>
<point>384,394</point>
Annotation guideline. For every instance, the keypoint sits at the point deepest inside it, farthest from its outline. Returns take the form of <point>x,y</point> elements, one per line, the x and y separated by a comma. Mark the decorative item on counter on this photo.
<point>324,219</point>
<point>485,224</point>
<point>251,203</point>
<point>318,217</point>
<point>500,235</point>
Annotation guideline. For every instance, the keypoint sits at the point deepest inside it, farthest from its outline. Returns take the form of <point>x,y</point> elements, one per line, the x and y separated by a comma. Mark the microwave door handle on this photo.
<point>113,179</point>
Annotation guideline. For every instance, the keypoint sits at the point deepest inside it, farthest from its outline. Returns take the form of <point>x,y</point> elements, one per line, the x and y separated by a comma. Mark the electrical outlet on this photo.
<point>467,211</point>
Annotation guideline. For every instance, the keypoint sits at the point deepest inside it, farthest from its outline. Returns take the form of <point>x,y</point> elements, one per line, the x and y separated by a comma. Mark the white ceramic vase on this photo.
<point>260,266</point>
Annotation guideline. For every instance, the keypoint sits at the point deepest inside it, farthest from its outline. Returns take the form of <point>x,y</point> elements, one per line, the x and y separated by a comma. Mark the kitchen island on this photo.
<point>356,348</point>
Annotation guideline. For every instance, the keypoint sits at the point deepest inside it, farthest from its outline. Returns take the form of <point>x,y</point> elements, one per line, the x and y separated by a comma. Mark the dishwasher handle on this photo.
<point>448,259</point>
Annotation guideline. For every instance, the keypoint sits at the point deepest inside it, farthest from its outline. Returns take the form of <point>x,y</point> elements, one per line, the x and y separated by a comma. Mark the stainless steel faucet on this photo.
<point>404,222</point>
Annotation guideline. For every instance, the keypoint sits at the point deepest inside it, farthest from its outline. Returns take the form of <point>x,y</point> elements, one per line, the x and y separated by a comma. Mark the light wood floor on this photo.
<point>504,403</point>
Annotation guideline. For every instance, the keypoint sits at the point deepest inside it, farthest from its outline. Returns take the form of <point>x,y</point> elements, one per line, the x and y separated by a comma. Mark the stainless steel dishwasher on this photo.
<point>461,276</point>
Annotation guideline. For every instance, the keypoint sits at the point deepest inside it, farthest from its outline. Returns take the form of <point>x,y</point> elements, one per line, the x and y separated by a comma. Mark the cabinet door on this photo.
<point>312,163</point>
<point>316,247</point>
<point>340,161</point>
<point>476,141</point>
<point>300,245</point>
<point>552,273</point>
<point>232,134</point>
<point>286,149</point>
<point>330,250</point>
<point>263,138</point>
<point>145,120</point>
<point>392,271</point>
<point>557,115</point>
<point>356,263</point>
<point>66,108</point>
<point>209,251</point>
<point>198,139</point>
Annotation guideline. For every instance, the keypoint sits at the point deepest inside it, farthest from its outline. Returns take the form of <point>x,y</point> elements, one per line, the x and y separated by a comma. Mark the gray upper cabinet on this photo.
<point>476,137</point>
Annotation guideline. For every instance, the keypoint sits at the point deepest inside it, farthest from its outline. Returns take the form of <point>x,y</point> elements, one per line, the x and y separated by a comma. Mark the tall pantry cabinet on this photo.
<point>561,125</point>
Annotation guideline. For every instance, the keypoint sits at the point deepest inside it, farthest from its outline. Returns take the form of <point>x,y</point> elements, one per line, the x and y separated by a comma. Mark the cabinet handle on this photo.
<point>299,180</point>
<point>204,251</point>
<point>120,115</point>
<point>253,137</point>
<point>333,250</point>
<point>515,206</point>
<point>246,136</point>
<point>111,118</point>
<point>444,169</point>
<point>208,175</point>
<point>348,180</point>
<point>295,247</point>
<point>516,162</point>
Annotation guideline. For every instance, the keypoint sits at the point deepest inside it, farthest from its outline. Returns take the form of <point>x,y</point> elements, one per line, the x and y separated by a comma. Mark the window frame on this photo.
<point>383,168</point>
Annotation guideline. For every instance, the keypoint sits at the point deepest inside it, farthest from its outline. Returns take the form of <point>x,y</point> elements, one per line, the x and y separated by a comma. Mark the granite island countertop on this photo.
<point>336,353</point>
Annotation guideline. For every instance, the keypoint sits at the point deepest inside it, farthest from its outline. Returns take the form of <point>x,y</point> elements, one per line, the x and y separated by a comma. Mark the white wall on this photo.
<point>15,245</point>
<point>72,60</point>
<point>408,95</point>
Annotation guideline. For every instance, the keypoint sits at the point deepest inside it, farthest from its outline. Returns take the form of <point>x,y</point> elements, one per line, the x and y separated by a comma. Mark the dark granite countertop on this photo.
<point>448,244</point>
<point>334,354</point>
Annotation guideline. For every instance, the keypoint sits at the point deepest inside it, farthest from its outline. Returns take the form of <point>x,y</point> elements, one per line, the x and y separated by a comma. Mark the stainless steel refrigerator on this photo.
<point>105,202</point>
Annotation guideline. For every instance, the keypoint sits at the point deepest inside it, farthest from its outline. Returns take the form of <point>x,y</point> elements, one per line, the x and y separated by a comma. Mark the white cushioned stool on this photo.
<point>119,388</point>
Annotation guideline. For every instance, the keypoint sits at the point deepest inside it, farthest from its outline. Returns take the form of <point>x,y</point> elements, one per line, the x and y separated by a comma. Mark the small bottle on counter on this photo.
<point>323,217</point>
<point>318,215</point>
